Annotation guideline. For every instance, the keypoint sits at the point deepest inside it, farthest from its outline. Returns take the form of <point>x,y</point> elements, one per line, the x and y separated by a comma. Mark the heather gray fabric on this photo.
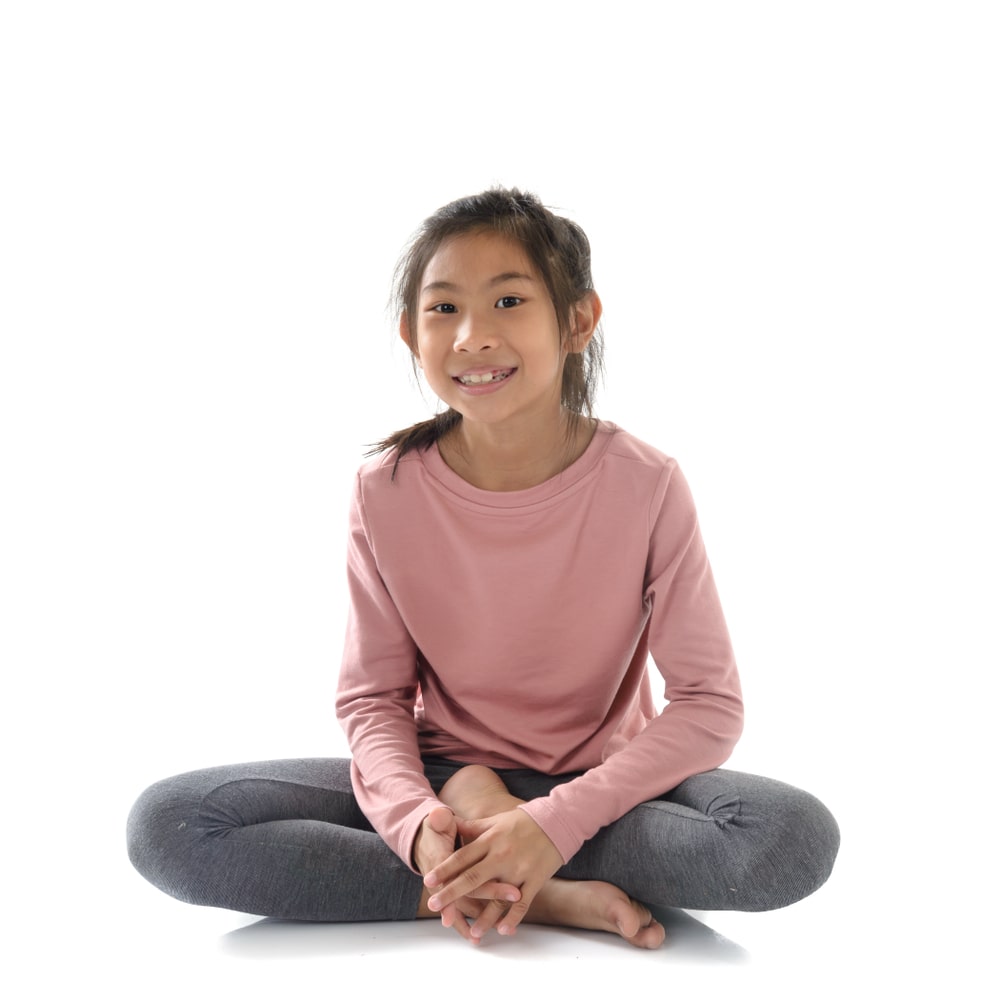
<point>286,839</point>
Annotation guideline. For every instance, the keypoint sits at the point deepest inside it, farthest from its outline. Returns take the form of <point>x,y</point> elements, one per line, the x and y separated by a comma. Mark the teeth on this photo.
<point>479,379</point>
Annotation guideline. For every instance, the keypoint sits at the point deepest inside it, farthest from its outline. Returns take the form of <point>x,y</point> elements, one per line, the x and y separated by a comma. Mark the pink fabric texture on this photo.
<point>514,630</point>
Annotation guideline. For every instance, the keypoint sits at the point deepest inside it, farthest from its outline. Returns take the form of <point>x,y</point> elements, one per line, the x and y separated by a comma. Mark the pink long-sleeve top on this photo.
<point>514,630</point>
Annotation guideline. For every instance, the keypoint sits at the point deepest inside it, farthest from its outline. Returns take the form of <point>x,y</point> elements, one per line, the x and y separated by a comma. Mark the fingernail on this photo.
<point>431,879</point>
<point>434,903</point>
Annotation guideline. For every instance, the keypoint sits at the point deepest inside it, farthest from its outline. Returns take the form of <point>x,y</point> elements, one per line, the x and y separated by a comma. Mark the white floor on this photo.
<point>823,947</point>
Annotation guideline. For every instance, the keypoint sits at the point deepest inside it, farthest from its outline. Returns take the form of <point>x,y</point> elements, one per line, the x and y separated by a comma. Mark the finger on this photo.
<point>492,891</point>
<point>470,907</point>
<point>471,828</point>
<point>496,890</point>
<point>435,841</point>
<point>491,914</point>
<point>475,882</point>
<point>512,918</point>
<point>451,916</point>
<point>441,819</point>
<point>517,911</point>
<point>455,864</point>
<point>468,883</point>
<point>471,910</point>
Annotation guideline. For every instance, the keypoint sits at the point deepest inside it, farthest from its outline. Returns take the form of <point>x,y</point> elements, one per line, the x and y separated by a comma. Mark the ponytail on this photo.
<point>419,437</point>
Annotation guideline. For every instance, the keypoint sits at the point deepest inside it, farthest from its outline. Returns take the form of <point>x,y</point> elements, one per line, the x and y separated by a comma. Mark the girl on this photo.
<point>512,564</point>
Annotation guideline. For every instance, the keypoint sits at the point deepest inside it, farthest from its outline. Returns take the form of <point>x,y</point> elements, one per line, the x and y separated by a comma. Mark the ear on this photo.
<point>407,337</point>
<point>584,317</point>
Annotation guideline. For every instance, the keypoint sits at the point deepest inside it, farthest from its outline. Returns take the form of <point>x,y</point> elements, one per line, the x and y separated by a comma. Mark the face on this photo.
<point>486,335</point>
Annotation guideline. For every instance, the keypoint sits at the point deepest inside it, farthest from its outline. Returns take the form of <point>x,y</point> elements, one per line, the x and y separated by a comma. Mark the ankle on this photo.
<point>476,792</point>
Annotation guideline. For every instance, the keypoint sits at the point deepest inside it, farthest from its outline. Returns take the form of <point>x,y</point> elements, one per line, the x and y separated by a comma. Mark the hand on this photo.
<point>434,844</point>
<point>510,847</point>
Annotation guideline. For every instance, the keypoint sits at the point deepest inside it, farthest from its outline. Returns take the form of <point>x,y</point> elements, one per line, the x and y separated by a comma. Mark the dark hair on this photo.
<point>559,250</point>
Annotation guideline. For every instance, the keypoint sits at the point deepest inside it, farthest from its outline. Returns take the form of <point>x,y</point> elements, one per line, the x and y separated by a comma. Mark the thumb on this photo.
<point>441,820</point>
<point>469,829</point>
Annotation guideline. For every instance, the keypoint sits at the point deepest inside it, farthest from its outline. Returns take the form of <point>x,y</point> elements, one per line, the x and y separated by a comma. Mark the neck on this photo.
<point>503,460</point>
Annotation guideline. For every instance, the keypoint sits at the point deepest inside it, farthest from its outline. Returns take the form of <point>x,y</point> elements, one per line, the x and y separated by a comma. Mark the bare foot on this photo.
<point>596,906</point>
<point>476,792</point>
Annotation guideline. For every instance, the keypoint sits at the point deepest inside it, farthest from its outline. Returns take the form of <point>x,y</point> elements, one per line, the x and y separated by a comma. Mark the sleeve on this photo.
<point>689,642</point>
<point>375,699</point>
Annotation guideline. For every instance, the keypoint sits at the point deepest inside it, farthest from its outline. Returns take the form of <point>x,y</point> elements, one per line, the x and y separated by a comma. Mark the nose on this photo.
<point>476,332</point>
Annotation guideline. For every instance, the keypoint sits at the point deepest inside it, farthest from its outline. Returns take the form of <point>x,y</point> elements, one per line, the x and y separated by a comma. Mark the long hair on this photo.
<point>559,250</point>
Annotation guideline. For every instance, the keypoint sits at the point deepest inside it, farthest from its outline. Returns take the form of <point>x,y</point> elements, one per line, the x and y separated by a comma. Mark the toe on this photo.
<point>651,936</point>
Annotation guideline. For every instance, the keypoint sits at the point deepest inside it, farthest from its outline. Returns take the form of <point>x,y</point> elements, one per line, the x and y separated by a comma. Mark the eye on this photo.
<point>443,307</point>
<point>508,302</point>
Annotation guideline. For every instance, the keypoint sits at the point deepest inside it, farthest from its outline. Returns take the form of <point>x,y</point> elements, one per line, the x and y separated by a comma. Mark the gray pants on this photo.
<point>286,839</point>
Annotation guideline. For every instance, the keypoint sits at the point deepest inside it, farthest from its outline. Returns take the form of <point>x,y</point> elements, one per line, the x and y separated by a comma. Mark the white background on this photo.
<point>794,213</point>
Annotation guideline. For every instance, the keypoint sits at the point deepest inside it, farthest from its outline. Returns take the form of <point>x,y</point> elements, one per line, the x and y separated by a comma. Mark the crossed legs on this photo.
<point>287,839</point>
<point>476,792</point>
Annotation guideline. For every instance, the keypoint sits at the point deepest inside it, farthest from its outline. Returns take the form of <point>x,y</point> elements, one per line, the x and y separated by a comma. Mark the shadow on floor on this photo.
<point>688,939</point>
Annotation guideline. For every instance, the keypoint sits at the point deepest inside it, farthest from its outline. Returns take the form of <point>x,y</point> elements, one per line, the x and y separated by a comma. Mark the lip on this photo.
<point>485,388</point>
<point>485,370</point>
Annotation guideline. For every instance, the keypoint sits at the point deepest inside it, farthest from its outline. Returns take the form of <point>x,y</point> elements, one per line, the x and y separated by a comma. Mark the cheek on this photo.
<point>436,345</point>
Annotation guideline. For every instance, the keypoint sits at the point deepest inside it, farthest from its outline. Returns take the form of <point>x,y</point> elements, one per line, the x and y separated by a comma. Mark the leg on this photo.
<point>476,792</point>
<point>723,840</point>
<point>278,838</point>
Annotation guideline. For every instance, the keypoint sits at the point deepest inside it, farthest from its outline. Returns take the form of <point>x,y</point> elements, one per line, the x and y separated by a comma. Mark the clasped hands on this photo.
<point>491,880</point>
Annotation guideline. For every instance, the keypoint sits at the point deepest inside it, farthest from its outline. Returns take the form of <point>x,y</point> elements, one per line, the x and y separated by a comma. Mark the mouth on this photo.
<point>485,378</point>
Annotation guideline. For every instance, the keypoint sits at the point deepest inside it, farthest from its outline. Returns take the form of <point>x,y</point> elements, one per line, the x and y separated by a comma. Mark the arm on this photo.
<point>375,700</point>
<point>684,630</point>
<point>686,635</point>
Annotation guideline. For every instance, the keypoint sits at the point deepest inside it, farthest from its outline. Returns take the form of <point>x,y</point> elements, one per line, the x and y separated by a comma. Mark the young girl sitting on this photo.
<point>513,564</point>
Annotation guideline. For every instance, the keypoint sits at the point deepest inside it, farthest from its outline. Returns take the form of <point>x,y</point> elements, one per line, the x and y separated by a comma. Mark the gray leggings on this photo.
<point>286,839</point>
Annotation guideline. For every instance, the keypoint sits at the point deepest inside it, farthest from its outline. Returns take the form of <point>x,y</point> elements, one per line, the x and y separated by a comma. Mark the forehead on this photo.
<point>473,259</point>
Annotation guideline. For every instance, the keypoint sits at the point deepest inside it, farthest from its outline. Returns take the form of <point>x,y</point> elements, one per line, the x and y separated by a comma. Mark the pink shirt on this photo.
<point>514,629</point>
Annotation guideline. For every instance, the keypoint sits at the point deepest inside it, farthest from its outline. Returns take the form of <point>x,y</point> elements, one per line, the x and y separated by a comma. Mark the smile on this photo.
<point>483,378</point>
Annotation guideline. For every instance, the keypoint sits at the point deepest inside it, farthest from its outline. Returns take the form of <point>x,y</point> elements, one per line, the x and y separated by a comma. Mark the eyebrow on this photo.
<point>498,279</point>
